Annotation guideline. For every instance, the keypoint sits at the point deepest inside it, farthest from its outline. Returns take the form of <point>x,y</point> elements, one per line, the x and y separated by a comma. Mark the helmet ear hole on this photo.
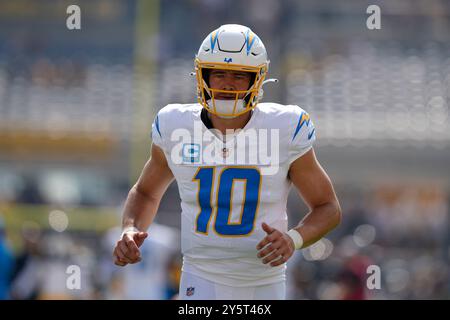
<point>251,84</point>
<point>207,96</point>
<point>205,75</point>
<point>252,80</point>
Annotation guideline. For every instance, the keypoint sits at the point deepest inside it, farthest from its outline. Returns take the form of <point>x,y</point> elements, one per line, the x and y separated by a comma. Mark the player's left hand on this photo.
<point>277,247</point>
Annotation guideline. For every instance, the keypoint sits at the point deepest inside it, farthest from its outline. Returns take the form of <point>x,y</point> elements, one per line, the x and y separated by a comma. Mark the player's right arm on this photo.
<point>141,206</point>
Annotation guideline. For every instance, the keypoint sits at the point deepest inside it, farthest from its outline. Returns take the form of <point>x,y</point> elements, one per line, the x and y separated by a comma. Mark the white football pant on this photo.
<point>193,287</point>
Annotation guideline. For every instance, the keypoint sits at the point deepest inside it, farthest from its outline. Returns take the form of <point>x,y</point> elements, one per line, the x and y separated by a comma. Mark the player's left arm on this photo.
<point>317,191</point>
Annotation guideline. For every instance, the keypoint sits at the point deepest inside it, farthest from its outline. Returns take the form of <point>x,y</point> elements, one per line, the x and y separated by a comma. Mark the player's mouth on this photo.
<point>225,96</point>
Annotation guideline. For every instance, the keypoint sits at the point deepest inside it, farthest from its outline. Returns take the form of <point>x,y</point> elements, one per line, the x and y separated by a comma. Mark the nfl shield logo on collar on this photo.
<point>190,291</point>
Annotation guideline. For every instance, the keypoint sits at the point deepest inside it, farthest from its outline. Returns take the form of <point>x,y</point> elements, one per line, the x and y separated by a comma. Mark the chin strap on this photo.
<point>270,80</point>
<point>261,90</point>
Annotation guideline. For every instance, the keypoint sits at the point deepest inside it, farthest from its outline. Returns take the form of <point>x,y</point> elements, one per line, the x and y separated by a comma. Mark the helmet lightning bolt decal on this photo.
<point>213,40</point>
<point>250,39</point>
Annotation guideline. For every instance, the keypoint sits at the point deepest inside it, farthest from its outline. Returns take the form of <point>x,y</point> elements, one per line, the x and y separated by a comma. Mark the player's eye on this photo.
<point>240,76</point>
<point>218,74</point>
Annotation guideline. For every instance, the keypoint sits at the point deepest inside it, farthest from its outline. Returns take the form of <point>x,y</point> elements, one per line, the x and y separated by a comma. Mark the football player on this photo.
<point>234,230</point>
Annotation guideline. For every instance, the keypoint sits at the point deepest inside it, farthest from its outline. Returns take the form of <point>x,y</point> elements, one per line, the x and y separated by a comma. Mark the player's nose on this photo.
<point>228,82</point>
<point>228,87</point>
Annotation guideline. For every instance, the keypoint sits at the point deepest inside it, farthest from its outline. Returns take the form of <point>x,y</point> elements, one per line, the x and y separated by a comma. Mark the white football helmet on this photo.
<point>231,47</point>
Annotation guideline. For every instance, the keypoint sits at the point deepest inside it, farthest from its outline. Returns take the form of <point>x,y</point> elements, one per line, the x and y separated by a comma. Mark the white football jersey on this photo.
<point>228,189</point>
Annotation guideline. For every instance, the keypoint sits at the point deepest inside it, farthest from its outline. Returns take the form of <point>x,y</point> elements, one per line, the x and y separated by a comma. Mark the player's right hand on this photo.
<point>127,248</point>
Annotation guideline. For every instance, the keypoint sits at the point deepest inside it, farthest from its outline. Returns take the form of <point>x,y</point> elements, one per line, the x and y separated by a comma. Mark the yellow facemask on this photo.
<point>206,95</point>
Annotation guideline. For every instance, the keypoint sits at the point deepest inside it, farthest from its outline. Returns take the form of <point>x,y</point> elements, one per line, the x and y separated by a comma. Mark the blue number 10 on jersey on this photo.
<point>222,225</point>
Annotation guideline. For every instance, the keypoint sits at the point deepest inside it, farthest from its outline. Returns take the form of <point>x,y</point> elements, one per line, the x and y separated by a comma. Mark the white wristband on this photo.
<point>296,237</point>
<point>128,229</point>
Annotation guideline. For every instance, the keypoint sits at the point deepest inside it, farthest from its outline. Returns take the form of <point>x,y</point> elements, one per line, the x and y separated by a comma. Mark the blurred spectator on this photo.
<point>25,280</point>
<point>352,278</point>
<point>156,277</point>
<point>6,264</point>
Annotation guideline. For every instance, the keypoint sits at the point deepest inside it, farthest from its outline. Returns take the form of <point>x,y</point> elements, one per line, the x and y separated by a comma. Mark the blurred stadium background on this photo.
<point>75,115</point>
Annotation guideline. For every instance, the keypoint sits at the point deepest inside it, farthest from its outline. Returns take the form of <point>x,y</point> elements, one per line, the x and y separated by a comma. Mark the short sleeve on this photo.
<point>157,137</point>
<point>303,135</point>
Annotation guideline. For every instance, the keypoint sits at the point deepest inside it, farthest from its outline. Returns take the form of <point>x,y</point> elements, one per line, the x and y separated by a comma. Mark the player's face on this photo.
<point>229,80</point>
